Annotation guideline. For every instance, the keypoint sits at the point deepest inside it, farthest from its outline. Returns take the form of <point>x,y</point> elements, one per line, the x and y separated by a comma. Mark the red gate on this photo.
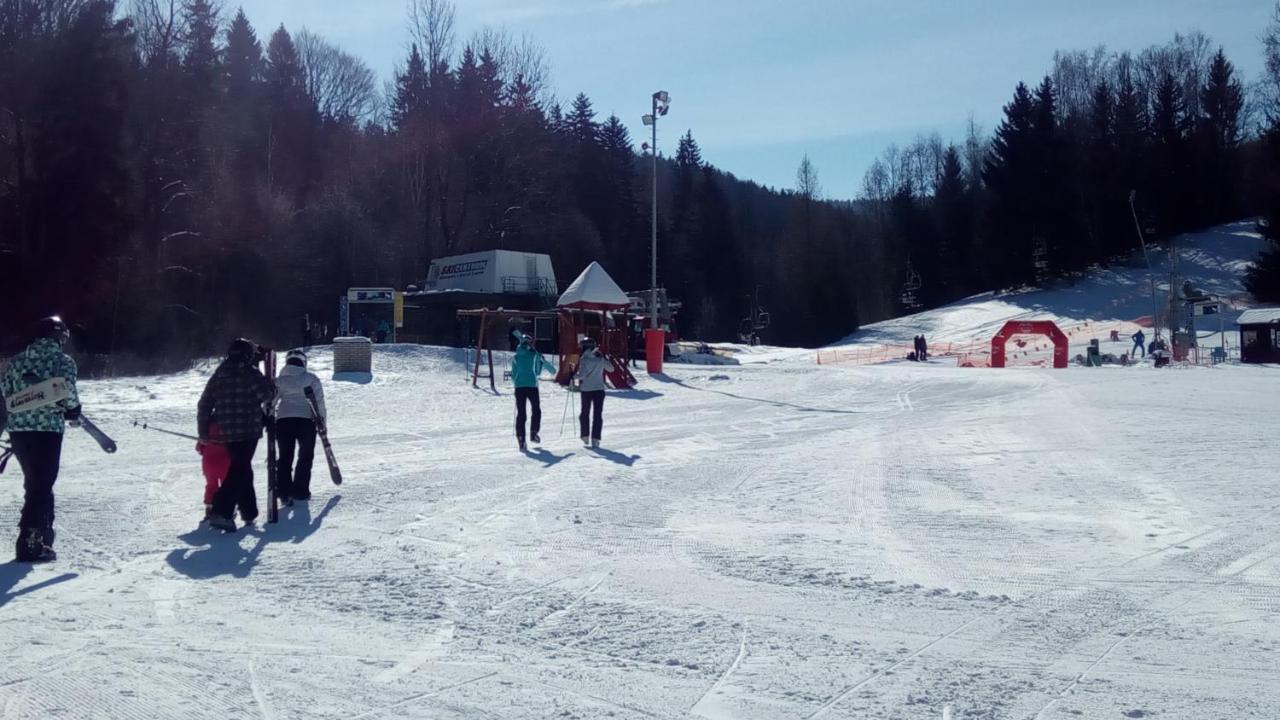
<point>1030,327</point>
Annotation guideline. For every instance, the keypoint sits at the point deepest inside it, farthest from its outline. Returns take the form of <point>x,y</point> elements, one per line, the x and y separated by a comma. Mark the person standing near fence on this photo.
<point>1139,343</point>
<point>590,374</point>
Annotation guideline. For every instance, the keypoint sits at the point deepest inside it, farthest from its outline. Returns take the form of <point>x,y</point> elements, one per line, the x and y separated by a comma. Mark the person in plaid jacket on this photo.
<point>37,433</point>
<point>237,398</point>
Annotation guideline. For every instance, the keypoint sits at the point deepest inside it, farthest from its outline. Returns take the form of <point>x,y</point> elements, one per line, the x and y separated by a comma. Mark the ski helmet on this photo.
<point>297,357</point>
<point>242,349</point>
<point>588,344</point>
<point>52,327</point>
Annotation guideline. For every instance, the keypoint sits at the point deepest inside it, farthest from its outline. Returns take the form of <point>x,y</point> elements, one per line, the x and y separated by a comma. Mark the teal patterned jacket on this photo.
<point>43,359</point>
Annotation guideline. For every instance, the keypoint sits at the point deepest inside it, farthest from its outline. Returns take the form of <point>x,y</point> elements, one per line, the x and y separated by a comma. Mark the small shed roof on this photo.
<point>1259,316</point>
<point>594,290</point>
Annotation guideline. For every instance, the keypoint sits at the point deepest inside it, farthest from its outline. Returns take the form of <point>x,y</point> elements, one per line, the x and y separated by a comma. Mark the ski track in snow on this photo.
<point>772,540</point>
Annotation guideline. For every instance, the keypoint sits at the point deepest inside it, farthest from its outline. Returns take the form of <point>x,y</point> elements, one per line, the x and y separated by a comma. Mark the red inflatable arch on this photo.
<point>1029,327</point>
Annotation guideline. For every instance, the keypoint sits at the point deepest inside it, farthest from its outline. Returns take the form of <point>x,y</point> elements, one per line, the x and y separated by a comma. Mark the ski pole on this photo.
<point>174,433</point>
<point>565,415</point>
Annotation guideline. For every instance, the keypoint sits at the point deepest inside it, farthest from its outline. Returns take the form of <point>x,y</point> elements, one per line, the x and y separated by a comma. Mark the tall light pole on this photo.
<point>1151,273</point>
<point>661,103</point>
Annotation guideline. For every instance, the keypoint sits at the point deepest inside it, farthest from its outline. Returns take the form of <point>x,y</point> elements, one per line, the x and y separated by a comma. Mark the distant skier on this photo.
<point>307,335</point>
<point>924,349</point>
<point>1139,343</point>
<point>295,427</point>
<point>590,373</point>
<point>214,464</point>
<point>917,353</point>
<point>384,331</point>
<point>526,366</point>
<point>237,398</point>
<point>36,434</point>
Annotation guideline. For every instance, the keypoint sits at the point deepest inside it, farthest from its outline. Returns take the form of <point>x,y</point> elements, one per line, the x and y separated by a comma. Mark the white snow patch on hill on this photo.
<point>1104,299</point>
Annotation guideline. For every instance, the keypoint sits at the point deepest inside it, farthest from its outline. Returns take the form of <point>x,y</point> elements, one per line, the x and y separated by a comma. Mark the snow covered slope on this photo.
<point>767,541</point>
<point>1115,298</point>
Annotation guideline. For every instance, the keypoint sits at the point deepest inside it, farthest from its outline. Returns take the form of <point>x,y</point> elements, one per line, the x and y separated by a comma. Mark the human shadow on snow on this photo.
<point>615,456</point>
<point>662,377</point>
<point>219,554</point>
<point>12,573</point>
<point>546,457</point>
<point>633,394</point>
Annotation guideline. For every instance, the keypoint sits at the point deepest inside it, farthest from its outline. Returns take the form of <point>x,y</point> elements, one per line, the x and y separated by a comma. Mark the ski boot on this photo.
<point>523,447</point>
<point>221,522</point>
<point>595,443</point>
<point>31,548</point>
<point>536,440</point>
<point>586,441</point>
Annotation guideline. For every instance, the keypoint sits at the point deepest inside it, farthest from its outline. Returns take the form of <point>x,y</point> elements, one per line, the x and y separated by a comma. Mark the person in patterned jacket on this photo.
<point>36,434</point>
<point>237,398</point>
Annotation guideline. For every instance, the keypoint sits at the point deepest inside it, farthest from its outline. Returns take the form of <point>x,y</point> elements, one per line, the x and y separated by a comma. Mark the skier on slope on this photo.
<point>36,434</point>
<point>590,374</point>
<point>526,366</point>
<point>296,427</point>
<point>1139,343</point>
<point>237,398</point>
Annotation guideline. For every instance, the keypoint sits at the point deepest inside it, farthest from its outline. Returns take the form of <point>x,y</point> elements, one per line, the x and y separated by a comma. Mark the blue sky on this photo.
<point>761,83</point>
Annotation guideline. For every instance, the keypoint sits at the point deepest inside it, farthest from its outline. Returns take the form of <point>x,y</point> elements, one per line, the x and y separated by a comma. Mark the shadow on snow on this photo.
<point>12,573</point>
<point>222,554</point>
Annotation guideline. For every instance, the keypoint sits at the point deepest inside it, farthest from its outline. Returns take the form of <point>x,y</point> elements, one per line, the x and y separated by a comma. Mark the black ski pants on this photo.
<point>40,455</point>
<point>291,433</point>
<point>237,490</point>
<point>528,395</point>
<point>591,419</point>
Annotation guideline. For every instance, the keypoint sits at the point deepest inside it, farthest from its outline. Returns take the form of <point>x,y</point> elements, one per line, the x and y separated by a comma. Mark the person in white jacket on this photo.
<point>296,427</point>
<point>590,374</point>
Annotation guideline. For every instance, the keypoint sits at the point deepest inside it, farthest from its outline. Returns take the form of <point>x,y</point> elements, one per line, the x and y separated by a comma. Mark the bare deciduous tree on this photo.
<point>431,24</point>
<point>340,85</point>
<point>1270,87</point>
<point>807,185</point>
<point>158,26</point>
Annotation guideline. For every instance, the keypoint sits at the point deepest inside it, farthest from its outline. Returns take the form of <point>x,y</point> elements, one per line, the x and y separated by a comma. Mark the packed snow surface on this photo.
<point>778,540</point>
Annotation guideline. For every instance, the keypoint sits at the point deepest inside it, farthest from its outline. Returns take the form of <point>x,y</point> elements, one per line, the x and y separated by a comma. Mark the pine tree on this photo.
<point>954,226</point>
<point>1010,174</point>
<point>1170,165</point>
<point>200,54</point>
<point>1262,280</point>
<point>410,90</point>
<point>243,64</point>
<point>1222,101</point>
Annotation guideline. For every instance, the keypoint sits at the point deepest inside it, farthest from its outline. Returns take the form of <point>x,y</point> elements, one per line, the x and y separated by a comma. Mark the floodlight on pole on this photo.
<point>661,103</point>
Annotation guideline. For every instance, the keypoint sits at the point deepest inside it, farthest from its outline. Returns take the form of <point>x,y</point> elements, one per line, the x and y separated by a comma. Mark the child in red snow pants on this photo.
<point>215,462</point>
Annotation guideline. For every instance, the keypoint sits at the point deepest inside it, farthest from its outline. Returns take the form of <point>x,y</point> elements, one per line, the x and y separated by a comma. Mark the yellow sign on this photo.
<point>399,311</point>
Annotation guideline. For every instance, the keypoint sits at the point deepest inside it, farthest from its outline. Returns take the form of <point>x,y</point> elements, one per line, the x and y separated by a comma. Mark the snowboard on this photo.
<point>40,395</point>
<point>334,472</point>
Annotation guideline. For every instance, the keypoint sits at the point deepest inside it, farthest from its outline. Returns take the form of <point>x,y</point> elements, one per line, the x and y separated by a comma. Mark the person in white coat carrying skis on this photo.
<point>590,375</point>
<point>296,427</point>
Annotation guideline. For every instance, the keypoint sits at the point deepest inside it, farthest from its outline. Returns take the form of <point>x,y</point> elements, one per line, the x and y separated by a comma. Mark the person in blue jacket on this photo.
<point>526,366</point>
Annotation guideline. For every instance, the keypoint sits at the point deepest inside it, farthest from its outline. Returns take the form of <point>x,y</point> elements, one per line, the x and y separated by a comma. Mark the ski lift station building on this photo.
<point>491,279</point>
<point>1260,335</point>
